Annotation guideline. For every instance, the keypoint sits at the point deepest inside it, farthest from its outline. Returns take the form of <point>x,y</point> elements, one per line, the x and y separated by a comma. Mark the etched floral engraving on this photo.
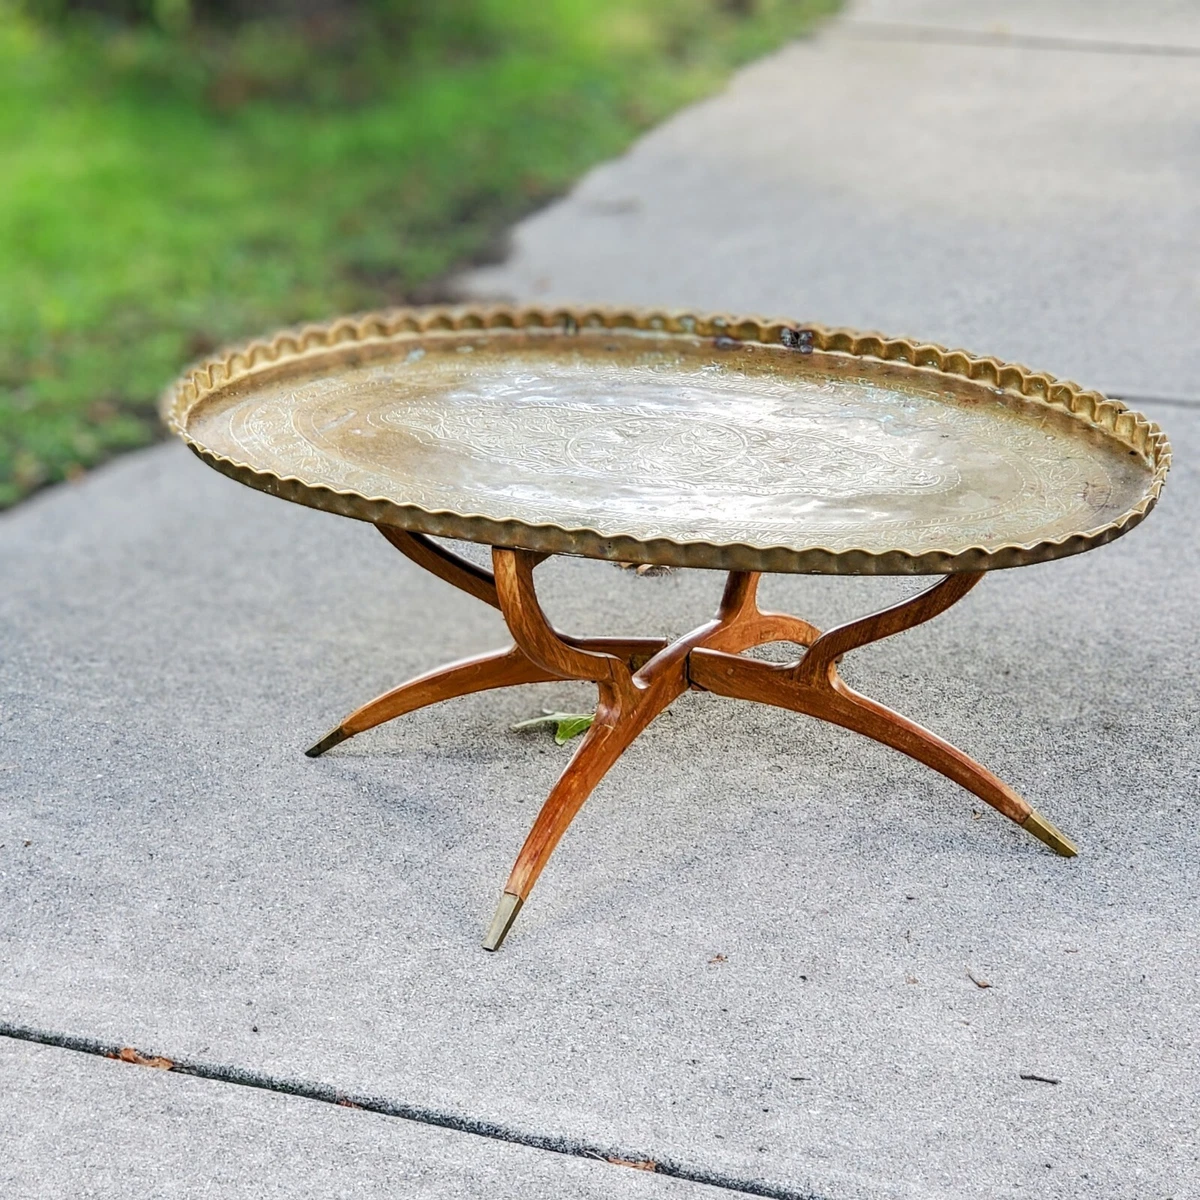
<point>682,449</point>
<point>629,437</point>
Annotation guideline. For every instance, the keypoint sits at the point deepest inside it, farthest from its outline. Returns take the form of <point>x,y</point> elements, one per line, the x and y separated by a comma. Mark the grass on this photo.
<point>162,193</point>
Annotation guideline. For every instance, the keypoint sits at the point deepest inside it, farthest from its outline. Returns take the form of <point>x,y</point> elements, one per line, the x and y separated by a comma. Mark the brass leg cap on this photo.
<point>506,914</point>
<point>333,738</point>
<point>1045,832</point>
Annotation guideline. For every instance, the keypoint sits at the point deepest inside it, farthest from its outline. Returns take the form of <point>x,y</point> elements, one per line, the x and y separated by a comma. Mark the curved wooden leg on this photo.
<point>769,683</point>
<point>629,699</point>
<point>607,739</point>
<point>847,708</point>
<point>501,668</point>
<point>611,732</point>
<point>813,686</point>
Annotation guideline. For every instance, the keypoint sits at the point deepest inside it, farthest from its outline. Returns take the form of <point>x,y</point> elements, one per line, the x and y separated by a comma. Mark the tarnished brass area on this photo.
<point>681,440</point>
<point>506,914</point>
<point>1041,829</point>
<point>335,737</point>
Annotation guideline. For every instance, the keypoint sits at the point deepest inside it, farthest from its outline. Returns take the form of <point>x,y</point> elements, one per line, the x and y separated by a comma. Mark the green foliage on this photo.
<point>171,184</point>
<point>566,725</point>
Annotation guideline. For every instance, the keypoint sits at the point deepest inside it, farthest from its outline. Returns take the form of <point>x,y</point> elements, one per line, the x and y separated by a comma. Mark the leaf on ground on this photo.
<point>573,726</point>
<point>646,568</point>
<point>130,1054</point>
<point>979,983</point>
<point>638,1164</point>
<point>566,725</point>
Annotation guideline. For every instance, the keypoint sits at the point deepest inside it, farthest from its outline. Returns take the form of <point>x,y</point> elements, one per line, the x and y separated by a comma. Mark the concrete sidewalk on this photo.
<point>748,961</point>
<point>1039,204</point>
<point>77,1125</point>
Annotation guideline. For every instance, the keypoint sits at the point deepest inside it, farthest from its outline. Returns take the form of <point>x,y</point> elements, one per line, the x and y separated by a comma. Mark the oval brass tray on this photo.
<point>721,442</point>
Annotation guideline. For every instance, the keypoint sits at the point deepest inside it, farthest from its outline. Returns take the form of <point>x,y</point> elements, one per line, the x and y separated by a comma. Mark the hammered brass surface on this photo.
<point>664,445</point>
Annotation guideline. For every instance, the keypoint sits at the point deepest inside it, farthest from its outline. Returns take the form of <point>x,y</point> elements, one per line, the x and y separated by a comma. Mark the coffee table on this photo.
<point>737,444</point>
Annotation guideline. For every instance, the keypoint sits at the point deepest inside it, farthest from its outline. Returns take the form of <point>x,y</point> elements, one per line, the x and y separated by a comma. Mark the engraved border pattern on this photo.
<point>1122,423</point>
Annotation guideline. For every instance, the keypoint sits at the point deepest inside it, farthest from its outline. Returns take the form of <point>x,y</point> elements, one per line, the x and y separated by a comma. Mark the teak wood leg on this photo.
<point>812,686</point>
<point>500,668</point>
<point>629,700</point>
<point>637,678</point>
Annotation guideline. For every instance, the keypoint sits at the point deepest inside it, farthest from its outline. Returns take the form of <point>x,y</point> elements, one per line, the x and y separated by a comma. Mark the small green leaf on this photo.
<point>566,725</point>
<point>572,726</point>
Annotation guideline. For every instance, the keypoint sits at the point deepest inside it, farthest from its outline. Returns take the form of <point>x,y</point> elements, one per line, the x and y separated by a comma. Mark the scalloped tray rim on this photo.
<point>1124,424</point>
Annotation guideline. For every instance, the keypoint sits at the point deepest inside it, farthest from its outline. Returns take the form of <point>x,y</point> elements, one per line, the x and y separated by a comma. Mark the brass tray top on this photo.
<point>693,441</point>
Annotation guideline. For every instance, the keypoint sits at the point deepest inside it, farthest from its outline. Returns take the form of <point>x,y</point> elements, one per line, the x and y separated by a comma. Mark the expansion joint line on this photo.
<point>419,1114</point>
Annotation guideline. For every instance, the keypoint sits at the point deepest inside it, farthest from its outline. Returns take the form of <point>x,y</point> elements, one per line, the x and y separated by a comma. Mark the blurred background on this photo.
<point>177,173</point>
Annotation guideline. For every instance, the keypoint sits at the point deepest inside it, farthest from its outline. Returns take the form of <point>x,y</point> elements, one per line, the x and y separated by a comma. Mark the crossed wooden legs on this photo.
<point>639,677</point>
<point>501,668</point>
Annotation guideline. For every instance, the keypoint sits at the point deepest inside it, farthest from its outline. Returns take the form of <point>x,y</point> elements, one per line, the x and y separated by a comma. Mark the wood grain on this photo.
<point>637,678</point>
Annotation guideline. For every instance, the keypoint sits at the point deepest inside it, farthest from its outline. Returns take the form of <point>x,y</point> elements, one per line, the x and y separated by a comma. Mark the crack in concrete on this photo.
<point>327,1094</point>
<point>898,32</point>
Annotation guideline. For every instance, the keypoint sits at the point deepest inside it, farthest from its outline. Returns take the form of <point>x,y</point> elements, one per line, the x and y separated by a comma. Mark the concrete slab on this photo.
<point>75,1125</point>
<point>1106,26</point>
<point>1034,204</point>
<point>715,970</point>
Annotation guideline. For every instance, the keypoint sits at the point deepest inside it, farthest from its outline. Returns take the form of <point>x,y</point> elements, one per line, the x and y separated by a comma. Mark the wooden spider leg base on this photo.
<point>813,686</point>
<point>638,678</point>
<point>629,699</point>
<point>709,659</point>
<point>501,668</point>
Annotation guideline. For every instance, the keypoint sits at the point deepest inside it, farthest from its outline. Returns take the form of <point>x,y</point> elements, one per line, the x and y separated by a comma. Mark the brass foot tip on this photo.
<point>1041,829</point>
<point>506,914</point>
<point>331,739</point>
